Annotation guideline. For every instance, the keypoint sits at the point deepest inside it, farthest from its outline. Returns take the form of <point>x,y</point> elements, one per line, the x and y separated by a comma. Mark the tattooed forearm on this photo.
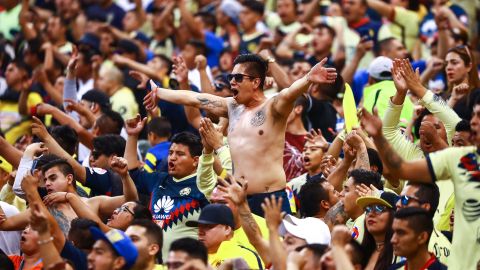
<point>336,215</point>
<point>388,155</point>
<point>206,103</point>
<point>363,161</point>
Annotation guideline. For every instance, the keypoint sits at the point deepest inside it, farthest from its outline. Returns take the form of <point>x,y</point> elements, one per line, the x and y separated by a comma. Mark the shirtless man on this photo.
<point>257,125</point>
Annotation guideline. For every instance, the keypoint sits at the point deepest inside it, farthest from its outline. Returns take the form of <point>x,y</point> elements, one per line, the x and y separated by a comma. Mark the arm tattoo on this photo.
<point>336,215</point>
<point>210,104</point>
<point>391,158</point>
<point>363,161</point>
<point>249,223</point>
<point>259,118</point>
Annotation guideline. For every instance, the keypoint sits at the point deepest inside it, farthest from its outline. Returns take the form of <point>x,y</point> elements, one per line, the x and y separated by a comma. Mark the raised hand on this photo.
<point>72,105</point>
<point>371,123</point>
<point>341,235</point>
<point>35,149</point>
<point>235,191</point>
<point>354,140</point>
<point>120,166</point>
<point>150,99</point>
<point>39,219</point>
<point>55,198</point>
<point>328,165</point>
<point>315,137</point>
<point>272,207</point>
<point>44,108</point>
<point>364,190</point>
<point>134,126</point>
<point>398,79</point>
<point>38,129</point>
<point>180,69</point>
<point>412,78</point>
<point>321,74</point>
<point>72,63</point>
<point>201,62</point>
<point>29,183</point>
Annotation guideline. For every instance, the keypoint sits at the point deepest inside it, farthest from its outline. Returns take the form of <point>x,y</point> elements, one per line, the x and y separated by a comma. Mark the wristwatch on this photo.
<point>271,60</point>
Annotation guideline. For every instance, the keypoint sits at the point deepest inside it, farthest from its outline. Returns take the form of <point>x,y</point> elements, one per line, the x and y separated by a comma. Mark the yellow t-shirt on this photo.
<point>440,246</point>
<point>123,102</point>
<point>241,238</point>
<point>357,227</point>
<point>12,123</point>
<point>229,250</point>
<point>460,164</point>
<point>408,21</point>
<point>443,223</point>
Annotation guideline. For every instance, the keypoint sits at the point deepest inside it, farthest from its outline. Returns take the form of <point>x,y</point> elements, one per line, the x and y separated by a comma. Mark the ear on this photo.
<point>298,109</point>
<point>422,238</point>
<point>195,161</point>
<point>257,81</point>
<point>70,179</point>
<point>119,263</point>
<point>325,205</point>
<point>153,249</point>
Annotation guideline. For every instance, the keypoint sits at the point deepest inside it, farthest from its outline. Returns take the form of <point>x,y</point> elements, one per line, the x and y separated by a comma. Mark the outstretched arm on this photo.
<point>416,171</point>
<point>213,104</point>
<point>283,102</point>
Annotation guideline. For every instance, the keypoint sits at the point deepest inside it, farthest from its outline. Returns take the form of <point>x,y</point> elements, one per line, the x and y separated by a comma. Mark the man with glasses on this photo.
<point>257,124</point>
<point>426,196</point>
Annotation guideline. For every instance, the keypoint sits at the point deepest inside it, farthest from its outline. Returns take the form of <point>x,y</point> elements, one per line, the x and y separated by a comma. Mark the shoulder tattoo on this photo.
<point>259,118</point>
<point>61,219</point>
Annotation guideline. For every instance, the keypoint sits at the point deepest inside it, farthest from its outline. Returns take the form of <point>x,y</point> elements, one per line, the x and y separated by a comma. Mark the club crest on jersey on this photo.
<point>185,192</point>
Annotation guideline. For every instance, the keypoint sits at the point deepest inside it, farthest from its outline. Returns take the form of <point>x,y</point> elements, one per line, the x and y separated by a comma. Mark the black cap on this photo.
<point>214,214</point>
<point>95,13</point>
<point>128,46</point>
<point>91,40</point>
<point>98,97</point>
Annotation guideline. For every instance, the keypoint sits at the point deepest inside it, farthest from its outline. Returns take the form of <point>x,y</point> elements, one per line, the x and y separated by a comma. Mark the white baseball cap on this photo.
<point>312,230</point>
<point>381,68</point>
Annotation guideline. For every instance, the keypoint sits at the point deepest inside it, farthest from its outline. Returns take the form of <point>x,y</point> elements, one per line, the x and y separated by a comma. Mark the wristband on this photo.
<point>46,241</point>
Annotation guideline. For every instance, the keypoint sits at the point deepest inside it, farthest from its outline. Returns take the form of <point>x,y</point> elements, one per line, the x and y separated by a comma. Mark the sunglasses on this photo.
<point>238,77</point>
<point>405,200</point>
<point>124,208</point>
<point>378,209</point>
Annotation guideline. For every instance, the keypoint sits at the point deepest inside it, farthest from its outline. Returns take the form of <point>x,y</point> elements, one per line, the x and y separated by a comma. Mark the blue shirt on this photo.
<point>214,46</point>
<point>155,156</point>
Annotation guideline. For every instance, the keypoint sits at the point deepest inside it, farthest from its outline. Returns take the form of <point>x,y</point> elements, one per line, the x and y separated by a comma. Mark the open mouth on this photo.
<point>22,239</point>
<point>234,92</point>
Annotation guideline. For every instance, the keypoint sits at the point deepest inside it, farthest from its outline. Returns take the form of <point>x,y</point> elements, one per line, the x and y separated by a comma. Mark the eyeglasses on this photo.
<point>378,209</point>
<point>405,200</point>
<point>124,208</point>
<point>220,86</point>
<point>238,77</point>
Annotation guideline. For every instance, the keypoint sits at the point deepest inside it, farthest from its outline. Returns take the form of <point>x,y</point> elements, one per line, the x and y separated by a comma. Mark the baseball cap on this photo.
<point>389,199</point>
<point>312,230</point>
<point>232,9</point>
<point>381,68</point>
<point>128,46</point>
<point>98,97</point>
<point>214,213</point>
<point>90,40</point>
<point>4,165</point>
<point>120,242</point>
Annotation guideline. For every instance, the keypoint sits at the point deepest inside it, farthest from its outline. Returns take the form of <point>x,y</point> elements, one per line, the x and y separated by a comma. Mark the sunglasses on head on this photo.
<point>238,77</point>
<point>375,208</point>
<point>220,86</point>
<point>405,200</point>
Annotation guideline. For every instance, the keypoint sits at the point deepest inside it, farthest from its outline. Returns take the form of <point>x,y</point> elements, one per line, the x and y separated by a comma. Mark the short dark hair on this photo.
<point>317,249</point>
<point>80,231</point>
<point>383,45</point>
<point>160,126</point>
<point>109,144</point>
<point>330,29</point>
<point>208,19</point>
<point>310,196</point>
<point>418,122</point>
<point>361,176</point>
<point>153,232</point>
<point>20,64</point>
<point>194,248</point>
<point>190,140</point>
<point>200,47</point>
<point>110,122</point>
<point>166,61</point>
<point>256,66</point>
<point>427,193</point>
<point>463,125</point>
<point>140,211</point>
<point>62,165</point>
<point>255,6</point>
<point>45,159</point>
<point>375,160</point>
<point>66,137</point>
<point>417,218</point>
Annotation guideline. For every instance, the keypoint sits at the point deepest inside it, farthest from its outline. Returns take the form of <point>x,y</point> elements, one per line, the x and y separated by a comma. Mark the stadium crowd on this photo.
<point>239,134</point>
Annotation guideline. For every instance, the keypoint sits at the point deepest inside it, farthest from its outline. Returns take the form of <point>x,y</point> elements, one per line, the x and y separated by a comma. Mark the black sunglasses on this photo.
<point>238,77</point>
<point>220,86</point>
<point>405,200</point>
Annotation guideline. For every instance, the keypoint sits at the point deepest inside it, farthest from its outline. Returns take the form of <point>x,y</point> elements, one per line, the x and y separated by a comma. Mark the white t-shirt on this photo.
<point>10,241</point>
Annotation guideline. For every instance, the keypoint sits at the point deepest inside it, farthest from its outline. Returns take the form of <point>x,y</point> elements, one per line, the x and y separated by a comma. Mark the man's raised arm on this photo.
<point>283,102</point>
<point>213,104</point>
<point>416,171</point>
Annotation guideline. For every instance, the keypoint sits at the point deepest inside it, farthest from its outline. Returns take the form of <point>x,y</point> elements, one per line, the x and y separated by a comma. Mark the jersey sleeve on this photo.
<point>144,181</point>
<point>439,164</point>
<point>150,162</point>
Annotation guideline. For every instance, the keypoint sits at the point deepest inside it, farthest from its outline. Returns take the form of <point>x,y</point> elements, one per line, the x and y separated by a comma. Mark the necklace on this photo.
<point>379,245</point>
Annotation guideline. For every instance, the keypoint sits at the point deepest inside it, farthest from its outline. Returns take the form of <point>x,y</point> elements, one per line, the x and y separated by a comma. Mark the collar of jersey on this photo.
<point>184,178</point>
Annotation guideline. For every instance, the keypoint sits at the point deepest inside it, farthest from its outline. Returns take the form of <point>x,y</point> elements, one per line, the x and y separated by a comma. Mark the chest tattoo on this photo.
<point>259,118</point>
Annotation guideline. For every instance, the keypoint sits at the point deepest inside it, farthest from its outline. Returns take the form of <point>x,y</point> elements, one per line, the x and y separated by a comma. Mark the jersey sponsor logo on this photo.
<point>185,192</point>
<point>165,204</point>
